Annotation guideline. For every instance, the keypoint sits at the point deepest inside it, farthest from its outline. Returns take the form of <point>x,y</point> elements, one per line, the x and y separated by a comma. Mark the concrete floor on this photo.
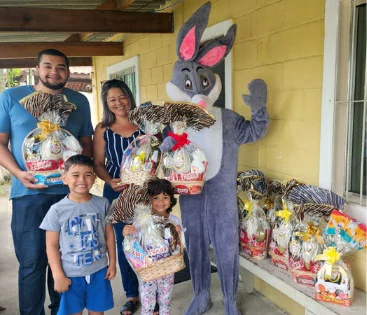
<point>249,304</point>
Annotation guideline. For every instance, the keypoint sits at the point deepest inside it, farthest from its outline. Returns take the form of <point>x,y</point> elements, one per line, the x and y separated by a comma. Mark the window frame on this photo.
<point>128,63</point>
<point>334,116</point>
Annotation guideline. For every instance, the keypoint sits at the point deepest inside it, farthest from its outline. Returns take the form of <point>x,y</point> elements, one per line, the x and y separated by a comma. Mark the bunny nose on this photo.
<point>202,104</point>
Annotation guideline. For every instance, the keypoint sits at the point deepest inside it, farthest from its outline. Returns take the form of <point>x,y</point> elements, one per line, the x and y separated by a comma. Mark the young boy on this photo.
<point>78,241</point>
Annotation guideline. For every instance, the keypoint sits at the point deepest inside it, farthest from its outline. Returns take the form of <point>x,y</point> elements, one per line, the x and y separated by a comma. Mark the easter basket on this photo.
<point>142,157</point>
<point>156,249</point>
<point>46,148</point>
<point>184,164</point>
<point>141,160</point>
<point>162,267</point>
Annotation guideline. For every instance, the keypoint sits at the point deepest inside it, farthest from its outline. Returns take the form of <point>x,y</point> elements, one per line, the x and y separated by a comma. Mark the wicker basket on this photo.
<point>162,268</point>
<point>136,177</point>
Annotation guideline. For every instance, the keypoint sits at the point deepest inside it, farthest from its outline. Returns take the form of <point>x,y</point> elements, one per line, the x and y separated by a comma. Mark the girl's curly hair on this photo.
<point>158,186</point>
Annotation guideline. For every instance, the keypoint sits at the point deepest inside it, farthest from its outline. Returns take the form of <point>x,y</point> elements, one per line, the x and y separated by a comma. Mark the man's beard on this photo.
<point>55,87</point>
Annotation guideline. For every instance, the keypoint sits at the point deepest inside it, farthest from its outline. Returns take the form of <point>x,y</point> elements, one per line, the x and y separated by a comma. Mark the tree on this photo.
<point>13,76</point>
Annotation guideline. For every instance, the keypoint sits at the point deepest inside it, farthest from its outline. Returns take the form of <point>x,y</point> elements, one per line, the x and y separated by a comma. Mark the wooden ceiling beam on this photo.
<point>70,49</point>
<point>123,4</point>
<point>107,5</point>
<point>32,62</point>
<point>17,19</point>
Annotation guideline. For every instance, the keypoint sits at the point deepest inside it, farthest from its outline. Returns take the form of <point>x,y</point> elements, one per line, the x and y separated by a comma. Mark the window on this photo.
<point>127,71</point>
<point>343,127</point>
<point>224,68</point>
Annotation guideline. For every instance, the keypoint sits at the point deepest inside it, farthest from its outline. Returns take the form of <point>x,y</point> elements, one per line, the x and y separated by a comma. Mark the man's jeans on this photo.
<point>30,249</point>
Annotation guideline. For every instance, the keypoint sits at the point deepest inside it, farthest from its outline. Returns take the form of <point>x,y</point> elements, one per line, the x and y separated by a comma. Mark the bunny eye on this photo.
<point>204,81</point>
<point>188,83</point>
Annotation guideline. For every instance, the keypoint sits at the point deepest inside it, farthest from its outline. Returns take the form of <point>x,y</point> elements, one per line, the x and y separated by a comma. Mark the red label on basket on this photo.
<point>42,165</point>
<point>186,177</point>
<point>187,190</point>
<point>190,177</point>
<point>181,190</point>
<point>304,279</point>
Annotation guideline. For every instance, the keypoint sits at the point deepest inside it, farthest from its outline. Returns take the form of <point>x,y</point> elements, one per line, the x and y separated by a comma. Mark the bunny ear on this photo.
<point>189,35</point>
<point>217,49</point>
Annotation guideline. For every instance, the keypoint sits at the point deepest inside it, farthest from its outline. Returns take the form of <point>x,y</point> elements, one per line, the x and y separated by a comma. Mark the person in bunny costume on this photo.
<point>211,217</point>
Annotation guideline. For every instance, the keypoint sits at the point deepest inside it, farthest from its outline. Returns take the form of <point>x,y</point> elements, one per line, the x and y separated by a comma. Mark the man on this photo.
<point>30,202</point>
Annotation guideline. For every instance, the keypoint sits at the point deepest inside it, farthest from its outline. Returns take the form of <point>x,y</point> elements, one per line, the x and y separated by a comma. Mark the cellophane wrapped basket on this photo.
<point>141,160</point>
<point>142,156</point>
<point>46,148</point>
<point>254,226</point>
<point>343,235</point>
<point>185,164</point>
<point>156,249</point>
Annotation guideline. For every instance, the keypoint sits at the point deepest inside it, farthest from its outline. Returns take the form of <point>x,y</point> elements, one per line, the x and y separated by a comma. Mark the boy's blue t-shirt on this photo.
<point>16,121</point>
<point>81,227</point>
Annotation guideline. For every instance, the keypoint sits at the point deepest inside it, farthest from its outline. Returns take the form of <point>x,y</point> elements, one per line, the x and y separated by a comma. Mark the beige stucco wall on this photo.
<point>280,41</point>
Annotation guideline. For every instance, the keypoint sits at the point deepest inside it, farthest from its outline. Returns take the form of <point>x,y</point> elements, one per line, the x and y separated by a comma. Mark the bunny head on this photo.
<point>192,78</point>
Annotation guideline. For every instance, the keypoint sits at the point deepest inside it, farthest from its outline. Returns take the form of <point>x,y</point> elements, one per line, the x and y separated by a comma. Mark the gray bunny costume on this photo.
<point>212,217</point>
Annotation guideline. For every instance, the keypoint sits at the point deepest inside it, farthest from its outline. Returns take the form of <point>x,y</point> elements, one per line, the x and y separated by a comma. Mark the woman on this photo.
<point>111,137</point>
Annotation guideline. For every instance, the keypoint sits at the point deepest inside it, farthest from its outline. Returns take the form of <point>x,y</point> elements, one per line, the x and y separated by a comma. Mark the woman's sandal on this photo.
<point>129,306</point>
<point>156,308</point>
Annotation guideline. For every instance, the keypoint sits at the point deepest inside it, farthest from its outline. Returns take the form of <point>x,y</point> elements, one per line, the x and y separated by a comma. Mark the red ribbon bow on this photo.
<point>181,140</point>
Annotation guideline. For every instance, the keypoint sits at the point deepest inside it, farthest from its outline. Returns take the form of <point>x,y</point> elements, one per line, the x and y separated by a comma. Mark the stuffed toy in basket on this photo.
<point>156,249</point>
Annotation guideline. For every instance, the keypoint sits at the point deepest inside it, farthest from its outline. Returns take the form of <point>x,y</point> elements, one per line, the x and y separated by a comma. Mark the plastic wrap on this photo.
<point>281,234</point>
<point>141,160</point>
<point>254,230</point>
<point>185,164</point>
<point>156,249</point>
<point>46,148</point>
<point>343,235</point>
<point>254,225</point>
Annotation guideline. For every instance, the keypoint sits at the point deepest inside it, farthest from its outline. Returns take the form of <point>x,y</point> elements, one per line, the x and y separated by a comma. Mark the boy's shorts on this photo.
<point>94,296</point>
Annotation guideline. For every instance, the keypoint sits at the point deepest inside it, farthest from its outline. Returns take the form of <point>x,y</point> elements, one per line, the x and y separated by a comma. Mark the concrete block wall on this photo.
<point>280,41</point>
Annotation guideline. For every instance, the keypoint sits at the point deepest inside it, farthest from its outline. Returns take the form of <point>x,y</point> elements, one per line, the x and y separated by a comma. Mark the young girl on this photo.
<point>158,291</point>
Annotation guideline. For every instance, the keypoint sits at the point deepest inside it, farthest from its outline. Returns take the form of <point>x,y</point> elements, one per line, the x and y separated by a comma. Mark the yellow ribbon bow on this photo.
<point>312,231</point>
<point>248,207</point>
<point>285,213</point>
<point>46,128</point>
<point>330,255</point>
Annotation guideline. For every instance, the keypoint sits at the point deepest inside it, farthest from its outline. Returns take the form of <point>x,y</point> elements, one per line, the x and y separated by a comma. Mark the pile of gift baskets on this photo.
<point>303,229</point>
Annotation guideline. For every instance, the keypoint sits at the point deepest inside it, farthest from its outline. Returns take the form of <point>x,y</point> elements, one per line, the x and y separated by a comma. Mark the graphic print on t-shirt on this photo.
<point>83,234</point>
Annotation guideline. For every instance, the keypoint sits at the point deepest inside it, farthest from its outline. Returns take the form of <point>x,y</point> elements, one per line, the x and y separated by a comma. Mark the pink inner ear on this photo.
<point>213,56</point>
<point>187,48</point>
